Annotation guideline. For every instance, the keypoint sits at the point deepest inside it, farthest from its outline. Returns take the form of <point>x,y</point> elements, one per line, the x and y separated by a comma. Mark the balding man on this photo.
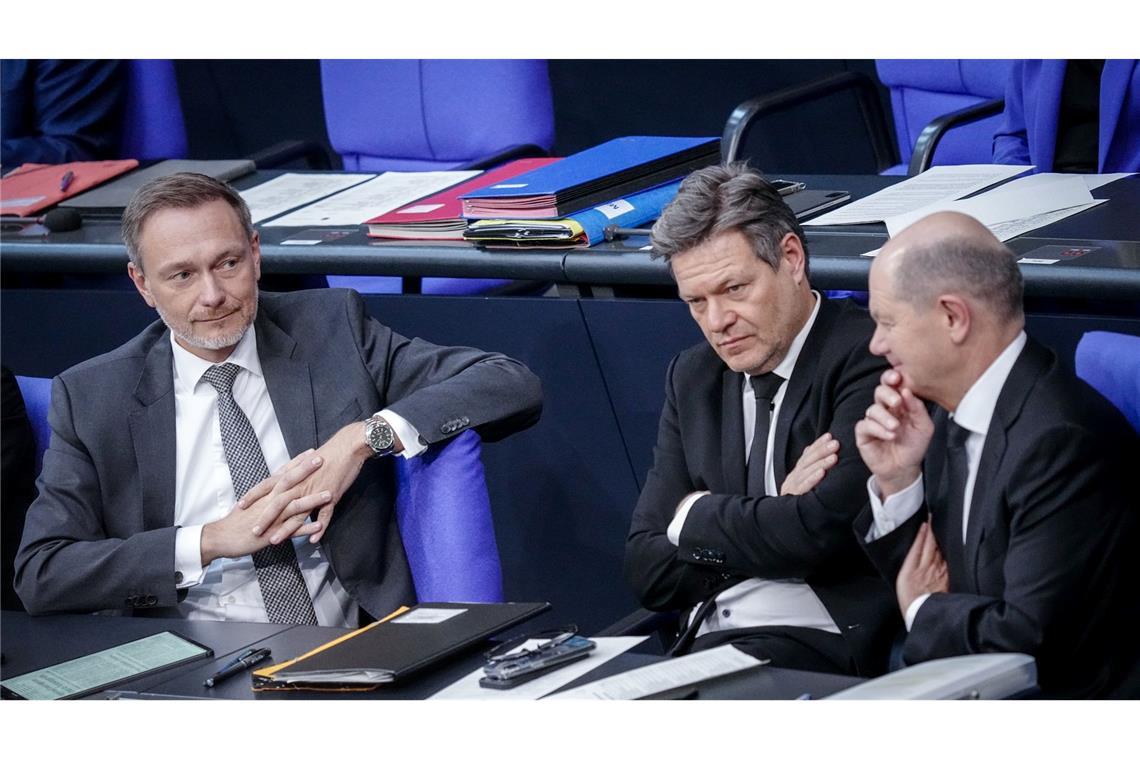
<point>1005,518</point>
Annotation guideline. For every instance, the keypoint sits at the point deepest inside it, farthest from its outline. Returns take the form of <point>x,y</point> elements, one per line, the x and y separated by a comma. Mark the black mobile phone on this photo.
<point>510,673</point>
<point>786,186</point>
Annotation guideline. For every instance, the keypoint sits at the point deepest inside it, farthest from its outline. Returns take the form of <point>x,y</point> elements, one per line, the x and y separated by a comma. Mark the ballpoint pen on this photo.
<point>65,180</point>
<point>243,661</point>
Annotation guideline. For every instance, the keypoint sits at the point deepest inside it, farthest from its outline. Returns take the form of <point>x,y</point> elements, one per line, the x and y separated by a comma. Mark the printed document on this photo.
<point>280,194</point>
<point>662,676</point>
<point>377,196</point>
<point>939,184</point>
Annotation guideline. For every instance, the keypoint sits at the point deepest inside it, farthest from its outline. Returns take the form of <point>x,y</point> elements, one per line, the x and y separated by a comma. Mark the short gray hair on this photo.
<point>181,190</point>
<point>985,270</point>
<point>720,199</point>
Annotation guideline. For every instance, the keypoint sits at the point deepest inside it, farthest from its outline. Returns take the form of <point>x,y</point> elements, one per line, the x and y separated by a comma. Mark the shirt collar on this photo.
<point>188,368</point>
<point>788,363</point>
<point>976,408</point>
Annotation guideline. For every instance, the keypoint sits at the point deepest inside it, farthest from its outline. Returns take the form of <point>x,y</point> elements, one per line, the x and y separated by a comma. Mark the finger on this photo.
<point>307,528</point>
<point>324,517</point>
<point>868,431</point>
<point>306,454</point>
<point>887,397</point>
<point>891,377</point>
<point>929,547</point>
<point>259,491</point>
<point>912,555</point>
<point>297,473</point>
<point>824,447</point>
<point>915,409</point>
<point>886,418</point>
<point>287,505</point>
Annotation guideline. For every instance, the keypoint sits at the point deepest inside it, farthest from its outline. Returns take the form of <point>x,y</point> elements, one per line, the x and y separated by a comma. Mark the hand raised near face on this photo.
<point>894,434</point>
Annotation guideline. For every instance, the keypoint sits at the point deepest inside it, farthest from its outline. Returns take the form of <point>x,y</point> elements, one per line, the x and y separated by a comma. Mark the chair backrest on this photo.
<point>153,126</point>
<point>923,90</point>
<point>422,115</point>
<point>442,507</point>
<point>1110,362</point>
<point>37,400</point>
<point>445,521</point>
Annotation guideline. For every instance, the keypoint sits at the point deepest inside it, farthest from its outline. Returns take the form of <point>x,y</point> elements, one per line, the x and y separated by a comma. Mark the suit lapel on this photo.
<point>732,432</point>
<point>153,435</point>
<point>803,375</point>
<point>1030,365</point>
<point>289,383</point>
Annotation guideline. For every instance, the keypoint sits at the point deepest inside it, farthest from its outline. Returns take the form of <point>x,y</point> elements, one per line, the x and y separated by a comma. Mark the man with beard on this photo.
<point>156,493</point>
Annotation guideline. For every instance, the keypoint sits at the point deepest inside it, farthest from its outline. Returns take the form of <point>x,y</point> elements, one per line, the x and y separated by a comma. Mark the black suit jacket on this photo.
<point>101,533</point>
<point>730,533</point>
<point>1048,566</point>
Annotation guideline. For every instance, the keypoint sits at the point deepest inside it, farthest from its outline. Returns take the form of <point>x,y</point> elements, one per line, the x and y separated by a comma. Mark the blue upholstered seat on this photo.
<point>153,126</point>
<point>1110,362</point>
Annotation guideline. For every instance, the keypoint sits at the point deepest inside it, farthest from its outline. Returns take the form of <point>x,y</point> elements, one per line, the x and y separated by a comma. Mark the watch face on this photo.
<point>380,435</point>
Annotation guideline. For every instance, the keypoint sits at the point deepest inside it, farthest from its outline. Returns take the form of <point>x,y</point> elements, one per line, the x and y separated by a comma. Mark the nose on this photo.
<point>878,343</point>
<point>211,293</point>
<point>720,317</point>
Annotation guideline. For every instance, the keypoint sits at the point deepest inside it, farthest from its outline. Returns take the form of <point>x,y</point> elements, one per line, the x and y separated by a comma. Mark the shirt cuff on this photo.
<point>912,611</point>
<point>896,509</point>
<point>188,570</point>
<point>673,533</point>
<point>407,434</point>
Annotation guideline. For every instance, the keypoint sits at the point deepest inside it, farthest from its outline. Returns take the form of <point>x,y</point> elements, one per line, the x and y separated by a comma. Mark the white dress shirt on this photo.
<point>227,589</point>
<point>762,601</point>
<point>974,413</point>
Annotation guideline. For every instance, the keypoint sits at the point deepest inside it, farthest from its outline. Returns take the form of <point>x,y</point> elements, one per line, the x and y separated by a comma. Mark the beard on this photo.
<point>184,331</point>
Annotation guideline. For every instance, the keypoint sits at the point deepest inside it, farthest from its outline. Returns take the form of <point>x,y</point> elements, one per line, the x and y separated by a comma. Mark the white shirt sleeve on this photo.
<point>407,434</point>
<point>188,556</point>
<point>673,532</point>
<point>895,510</point>
<point>912,611</point>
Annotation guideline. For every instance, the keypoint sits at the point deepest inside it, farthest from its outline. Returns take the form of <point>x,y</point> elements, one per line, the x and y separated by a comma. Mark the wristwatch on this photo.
<point>379,435</point>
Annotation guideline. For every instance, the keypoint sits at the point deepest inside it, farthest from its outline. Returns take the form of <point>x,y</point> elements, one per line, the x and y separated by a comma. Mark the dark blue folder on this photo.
<point>611,170</point>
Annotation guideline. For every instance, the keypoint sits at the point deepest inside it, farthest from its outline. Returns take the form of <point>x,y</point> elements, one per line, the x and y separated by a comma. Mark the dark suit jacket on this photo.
<point>101,533</point>
<point>700,446</point>
<point>1048,566</point>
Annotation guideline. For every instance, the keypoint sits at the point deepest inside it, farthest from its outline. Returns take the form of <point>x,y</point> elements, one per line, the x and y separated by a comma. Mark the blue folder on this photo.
<point>614,169</point>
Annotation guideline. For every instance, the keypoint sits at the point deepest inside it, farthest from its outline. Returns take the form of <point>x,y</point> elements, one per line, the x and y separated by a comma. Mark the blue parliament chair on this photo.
<point>945,111</point>
<point>153,126</point>
<point>1110,363</point>
<point>442,507</point>
<point>424,115</point>
<point>432,115</point>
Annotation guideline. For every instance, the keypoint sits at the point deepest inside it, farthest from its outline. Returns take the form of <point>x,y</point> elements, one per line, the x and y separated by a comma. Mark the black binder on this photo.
<point>394,648</point>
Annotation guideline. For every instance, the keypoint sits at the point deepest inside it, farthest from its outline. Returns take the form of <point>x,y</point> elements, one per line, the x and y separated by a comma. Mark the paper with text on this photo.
<point>280,194</point>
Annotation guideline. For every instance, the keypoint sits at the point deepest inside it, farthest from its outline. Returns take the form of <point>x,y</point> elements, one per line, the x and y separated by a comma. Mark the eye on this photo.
<point>737,288</point>
<point>180,276</point>
<point>229,263</point>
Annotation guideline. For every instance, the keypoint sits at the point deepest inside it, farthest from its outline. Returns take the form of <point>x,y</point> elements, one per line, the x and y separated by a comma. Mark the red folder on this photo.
<point>34,187</point>
<point>440,216</point>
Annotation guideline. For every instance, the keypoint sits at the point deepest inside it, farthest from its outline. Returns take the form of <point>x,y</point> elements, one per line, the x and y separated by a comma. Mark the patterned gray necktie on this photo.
<point>282,585</point>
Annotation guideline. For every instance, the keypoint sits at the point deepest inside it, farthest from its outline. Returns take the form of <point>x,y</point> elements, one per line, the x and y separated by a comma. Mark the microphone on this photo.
<point>56,220</point>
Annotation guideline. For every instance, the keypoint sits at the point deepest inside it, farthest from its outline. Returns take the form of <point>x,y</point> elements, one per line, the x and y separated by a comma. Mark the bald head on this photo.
<point>948,252</point>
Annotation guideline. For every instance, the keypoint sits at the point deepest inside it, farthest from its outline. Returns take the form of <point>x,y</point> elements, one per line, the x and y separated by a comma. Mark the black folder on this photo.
<point>396,647</point>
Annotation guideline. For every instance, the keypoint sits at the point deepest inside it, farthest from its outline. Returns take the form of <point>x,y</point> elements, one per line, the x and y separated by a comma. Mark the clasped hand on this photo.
<point>923,571</point>
<point>282,502</point>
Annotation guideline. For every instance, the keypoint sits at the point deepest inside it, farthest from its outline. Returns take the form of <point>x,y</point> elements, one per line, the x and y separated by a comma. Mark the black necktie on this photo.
<point>957,471</point>
<point>282,586</point>
<point>764,387</point>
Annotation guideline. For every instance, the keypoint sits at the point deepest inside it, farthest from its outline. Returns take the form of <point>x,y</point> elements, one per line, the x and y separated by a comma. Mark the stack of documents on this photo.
<point>579,230</point>
<point>110,199</point>
<point>615,169</point>
<point>440,216</point>
<point>31,188</point>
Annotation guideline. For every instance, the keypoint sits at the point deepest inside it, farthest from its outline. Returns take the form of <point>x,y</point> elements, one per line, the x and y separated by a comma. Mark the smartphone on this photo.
<point>786,186</point>
<point>508,674</point>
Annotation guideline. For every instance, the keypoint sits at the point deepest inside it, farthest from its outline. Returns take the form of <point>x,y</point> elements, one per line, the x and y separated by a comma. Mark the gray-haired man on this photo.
<point>744,524</point>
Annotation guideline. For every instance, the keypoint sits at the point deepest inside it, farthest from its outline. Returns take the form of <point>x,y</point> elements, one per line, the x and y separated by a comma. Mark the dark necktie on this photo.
<point>957,471</point>
<point>278,575</point>
<point>764,387</point>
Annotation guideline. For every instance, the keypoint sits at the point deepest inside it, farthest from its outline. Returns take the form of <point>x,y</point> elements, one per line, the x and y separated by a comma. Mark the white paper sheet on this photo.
<point>378,196</point>
<point>608,648</point>
<point>1020,199</point>
<point>1014,227</point>
<point>669,674</point>
<point>280,194</point>
<point>938,184</point>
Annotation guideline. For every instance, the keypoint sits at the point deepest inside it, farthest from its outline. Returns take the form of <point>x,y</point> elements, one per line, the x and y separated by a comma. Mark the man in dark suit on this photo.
<point>154,442</point>
<point>1007,519</point>
<point>763,550</point>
